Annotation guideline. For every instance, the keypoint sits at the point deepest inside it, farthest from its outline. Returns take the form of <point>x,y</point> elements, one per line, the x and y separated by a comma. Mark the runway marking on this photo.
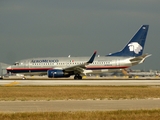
<point>12,84</point>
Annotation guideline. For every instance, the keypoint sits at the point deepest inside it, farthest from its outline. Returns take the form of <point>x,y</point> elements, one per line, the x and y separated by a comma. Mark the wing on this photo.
<point>79,69</point>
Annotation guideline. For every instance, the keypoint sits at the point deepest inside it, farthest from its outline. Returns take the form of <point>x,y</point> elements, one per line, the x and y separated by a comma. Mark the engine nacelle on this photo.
<point>56,73</point>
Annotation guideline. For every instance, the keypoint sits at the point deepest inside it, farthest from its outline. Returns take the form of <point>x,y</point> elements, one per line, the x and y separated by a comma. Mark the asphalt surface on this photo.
<point>78,82</point>
<point>78,105</point>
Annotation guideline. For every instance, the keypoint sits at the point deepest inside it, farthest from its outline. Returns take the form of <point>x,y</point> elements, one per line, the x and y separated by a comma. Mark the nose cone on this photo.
<point>9,67</point>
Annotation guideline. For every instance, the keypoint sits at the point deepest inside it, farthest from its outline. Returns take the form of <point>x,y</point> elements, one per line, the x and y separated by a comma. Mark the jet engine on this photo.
<point>57,73</point>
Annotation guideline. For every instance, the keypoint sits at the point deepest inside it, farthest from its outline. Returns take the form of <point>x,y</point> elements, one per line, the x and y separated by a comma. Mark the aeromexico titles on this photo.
<point>58,67</point>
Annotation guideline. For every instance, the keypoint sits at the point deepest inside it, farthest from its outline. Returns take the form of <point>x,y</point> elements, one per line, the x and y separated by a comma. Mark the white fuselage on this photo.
<point>41,65</point>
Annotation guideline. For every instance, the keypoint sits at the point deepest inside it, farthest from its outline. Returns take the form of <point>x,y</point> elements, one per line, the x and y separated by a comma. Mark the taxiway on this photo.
<point>78,82</point>
<point>78,105</point>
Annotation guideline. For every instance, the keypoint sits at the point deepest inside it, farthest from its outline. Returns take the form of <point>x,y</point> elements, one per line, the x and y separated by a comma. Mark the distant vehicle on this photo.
<point>57,67</point>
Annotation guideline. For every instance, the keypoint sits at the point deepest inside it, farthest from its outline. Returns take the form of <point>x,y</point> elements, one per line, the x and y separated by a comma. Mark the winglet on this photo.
<point>92,57</point>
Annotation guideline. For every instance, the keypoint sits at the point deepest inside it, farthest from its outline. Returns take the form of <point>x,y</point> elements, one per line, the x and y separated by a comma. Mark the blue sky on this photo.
<point>50,28</point>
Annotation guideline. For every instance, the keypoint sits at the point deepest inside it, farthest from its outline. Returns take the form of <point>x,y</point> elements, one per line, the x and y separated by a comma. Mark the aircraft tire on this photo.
<point>77,77</point>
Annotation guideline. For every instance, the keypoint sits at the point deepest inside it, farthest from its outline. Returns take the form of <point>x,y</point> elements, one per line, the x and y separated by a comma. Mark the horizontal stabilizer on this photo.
<point>139,59</point>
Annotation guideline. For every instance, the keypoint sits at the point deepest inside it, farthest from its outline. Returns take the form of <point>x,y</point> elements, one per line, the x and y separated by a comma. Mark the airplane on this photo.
<point>59,67</point>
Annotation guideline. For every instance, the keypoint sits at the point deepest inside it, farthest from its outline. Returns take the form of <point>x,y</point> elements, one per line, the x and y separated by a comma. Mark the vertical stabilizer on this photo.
<point>135,46</point>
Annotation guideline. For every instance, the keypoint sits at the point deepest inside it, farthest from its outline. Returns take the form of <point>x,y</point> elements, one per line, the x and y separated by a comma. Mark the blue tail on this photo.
<point>135,46</point>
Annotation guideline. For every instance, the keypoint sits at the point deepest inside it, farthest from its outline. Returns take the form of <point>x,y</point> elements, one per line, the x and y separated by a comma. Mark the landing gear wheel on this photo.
<point>80,77</point>
<point>77,77</point>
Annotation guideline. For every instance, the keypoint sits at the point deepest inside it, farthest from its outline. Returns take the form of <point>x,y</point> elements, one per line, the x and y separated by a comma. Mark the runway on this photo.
<point>78,82</point>
<point>78,105</point>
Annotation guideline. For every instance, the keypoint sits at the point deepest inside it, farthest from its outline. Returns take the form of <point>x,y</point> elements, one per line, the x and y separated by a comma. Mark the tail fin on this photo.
<point>135,46</point>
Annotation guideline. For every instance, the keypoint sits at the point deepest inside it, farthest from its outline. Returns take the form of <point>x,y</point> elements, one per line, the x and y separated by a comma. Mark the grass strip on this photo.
<point>85,115</point>
<point>25,93</point>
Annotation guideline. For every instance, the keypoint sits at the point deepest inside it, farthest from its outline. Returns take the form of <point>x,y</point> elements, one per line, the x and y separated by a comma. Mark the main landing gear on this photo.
<point>77,77</point>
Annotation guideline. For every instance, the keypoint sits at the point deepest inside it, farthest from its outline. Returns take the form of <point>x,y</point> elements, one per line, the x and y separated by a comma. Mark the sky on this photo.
<point>55,28</point>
